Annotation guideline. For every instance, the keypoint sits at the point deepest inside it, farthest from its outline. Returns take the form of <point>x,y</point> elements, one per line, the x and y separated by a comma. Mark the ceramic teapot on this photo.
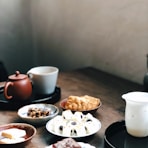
<point>18,87</point>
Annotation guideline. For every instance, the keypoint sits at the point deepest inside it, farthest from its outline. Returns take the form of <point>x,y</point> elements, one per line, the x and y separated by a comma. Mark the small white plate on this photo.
<point>82,144</point>
<point>96,122</point>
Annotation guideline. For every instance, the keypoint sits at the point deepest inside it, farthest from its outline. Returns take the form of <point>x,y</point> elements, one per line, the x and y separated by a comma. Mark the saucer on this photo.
<point>116,136</point>
<point>35,98</point>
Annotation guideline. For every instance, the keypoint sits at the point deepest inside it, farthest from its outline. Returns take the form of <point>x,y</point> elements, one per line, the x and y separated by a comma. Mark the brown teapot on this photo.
<point>18,87</point>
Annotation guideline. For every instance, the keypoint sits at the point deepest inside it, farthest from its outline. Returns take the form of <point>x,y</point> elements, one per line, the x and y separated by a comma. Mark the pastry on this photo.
<point>82,103</point>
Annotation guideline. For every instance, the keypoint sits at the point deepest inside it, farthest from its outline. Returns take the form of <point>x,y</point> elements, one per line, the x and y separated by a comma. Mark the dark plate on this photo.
<point>35,98</point>
<point>116,136</point>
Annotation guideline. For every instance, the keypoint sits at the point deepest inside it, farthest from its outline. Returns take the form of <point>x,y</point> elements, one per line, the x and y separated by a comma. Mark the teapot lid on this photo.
<point>17,76</point>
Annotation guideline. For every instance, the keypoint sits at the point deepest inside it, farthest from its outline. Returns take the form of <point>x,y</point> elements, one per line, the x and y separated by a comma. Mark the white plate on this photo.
<point>94,130</point>
<point>83,145</point>
<point>22,113</point>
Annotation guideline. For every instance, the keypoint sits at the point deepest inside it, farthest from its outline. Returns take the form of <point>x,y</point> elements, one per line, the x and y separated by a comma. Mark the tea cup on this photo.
<point>44,79</point>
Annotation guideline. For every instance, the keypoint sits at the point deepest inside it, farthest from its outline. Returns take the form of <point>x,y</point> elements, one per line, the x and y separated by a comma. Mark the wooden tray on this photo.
<point>11,105</point>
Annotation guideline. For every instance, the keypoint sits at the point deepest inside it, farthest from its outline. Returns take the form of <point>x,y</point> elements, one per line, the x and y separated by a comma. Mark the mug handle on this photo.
<point>30,76</point>
<point>6,90</point>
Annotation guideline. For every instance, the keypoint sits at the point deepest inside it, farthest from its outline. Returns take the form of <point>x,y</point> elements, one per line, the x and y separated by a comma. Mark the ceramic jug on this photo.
<point>18,87</point>
<point>136,113</point>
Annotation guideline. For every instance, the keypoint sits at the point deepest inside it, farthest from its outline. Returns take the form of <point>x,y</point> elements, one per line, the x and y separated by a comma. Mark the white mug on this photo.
<point>44,79</point>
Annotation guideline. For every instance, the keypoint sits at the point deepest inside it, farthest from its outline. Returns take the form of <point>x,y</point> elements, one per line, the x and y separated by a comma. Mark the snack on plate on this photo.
<point>12,135</point>
<point>37,112</point>
<point>11,141</point>
<point>73,124</point>
<point>66,143</point>
<point>81,103</point>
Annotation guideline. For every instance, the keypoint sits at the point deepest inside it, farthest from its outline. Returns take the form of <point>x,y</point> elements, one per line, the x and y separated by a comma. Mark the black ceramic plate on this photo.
<point>116,136</point>
<point>35,98</point>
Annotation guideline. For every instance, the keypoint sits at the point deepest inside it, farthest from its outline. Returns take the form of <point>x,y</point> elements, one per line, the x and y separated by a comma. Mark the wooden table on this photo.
<point>87,81</point>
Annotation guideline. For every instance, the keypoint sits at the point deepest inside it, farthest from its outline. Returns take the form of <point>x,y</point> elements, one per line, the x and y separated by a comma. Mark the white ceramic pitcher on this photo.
<point>136,113</point>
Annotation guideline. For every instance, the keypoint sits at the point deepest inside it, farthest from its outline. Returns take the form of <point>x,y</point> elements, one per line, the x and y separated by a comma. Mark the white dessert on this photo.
<point>88,117</point>
<point>69,124</point>
<point>78,116</point>
<point>88,126</point>
<point>13,133</point>
<point>67,114</point>
<point>11,141</point>
<point>58,124</point>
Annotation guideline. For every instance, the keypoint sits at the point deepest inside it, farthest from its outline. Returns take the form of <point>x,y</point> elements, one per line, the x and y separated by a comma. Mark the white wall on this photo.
<point>109,35</point>
<point>58,34</point>
<point>123,38</point>
<point>15,35</point>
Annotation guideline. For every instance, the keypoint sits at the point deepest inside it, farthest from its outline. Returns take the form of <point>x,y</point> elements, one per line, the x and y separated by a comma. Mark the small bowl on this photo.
<point>30,133</point>
<point>93,111</point>
<point>41,120</point>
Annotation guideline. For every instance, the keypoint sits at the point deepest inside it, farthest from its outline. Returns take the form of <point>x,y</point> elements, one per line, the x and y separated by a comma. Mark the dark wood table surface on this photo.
<point>87,81</point>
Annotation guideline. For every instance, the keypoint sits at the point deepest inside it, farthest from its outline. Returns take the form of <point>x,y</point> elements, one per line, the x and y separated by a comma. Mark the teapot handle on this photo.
<point>6,90</point>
